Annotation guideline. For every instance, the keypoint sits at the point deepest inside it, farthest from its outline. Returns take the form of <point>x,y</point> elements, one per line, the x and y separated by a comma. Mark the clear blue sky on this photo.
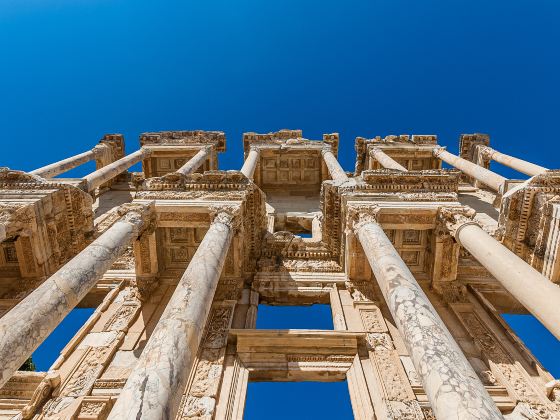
<point>72,70</point>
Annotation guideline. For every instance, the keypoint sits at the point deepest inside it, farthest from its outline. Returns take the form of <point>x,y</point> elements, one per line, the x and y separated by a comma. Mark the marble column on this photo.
<point>534,291</point>
<point>385,160</point>
<point>57,168</point>
<point>99,177</point>
<point>31,321</point>
<point>335,170</point>
<point>154,388</point>
<point>479,173</point>
<point>196,161</point>
<point>520,165</point>
<point>451,384</point>
<point>250,163</point>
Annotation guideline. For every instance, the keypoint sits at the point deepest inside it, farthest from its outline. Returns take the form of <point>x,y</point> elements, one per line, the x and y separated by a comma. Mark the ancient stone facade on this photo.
<point>417,263</point>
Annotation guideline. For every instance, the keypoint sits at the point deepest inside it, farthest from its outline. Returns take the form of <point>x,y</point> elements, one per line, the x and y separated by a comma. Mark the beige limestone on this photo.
<point>335,170</point>
<point>25,326</point>
<point>99,177</point>
<point>151,391</point>
<point>196,161</point>
<point>452,386</point>
<point>57,168</point>
<point>520,165</point>
<point>538,295</point>
<point>489,178</point>
<point>385,160</point>
<point>250,164</point>
<point>417,333</point>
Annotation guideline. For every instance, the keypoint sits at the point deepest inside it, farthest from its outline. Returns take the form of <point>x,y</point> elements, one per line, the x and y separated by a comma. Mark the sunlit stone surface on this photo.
<point>417,263</point>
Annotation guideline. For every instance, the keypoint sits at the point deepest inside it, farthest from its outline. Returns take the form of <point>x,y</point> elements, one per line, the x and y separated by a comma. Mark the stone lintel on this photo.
<point>288,138</point>
<point>185,138</point>
<point>436,180</point>
<point>288,355</point>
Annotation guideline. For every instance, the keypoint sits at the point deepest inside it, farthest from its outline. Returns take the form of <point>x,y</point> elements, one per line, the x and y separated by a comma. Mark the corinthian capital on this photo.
<point>438,151</point>
<point>450,219</point>
<point>227,215</point>
<point>486,152</point>
<point>360,215</point>
<point>142,216</point>
<point>100,150</point>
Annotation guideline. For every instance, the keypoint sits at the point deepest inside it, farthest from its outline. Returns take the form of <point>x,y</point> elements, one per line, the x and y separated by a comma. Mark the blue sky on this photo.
<point>72,70</point>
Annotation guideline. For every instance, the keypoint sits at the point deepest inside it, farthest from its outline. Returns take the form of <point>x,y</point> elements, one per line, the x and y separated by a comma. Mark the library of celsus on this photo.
<point>417,263</point>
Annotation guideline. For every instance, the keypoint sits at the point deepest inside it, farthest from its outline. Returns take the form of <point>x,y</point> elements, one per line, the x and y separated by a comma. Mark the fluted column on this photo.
<point>250,164</point>
<point>31,321</point>
<point>99,177</point>
<point>451,384</point>
<point>479,173</point>
<point>520,165</point>
<point>57,168</point>
<point>534,291</point>
<point>154,389</point>
<point>335,170</point>
<point>385,160</point>
<point>196,161</point>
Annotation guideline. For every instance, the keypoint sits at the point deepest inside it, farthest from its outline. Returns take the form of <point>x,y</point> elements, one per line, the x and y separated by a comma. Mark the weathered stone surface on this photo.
<point>178,258</point>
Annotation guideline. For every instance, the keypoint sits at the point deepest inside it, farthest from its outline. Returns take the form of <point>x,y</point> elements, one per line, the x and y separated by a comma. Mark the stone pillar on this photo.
<point>154,389</point>
<point>335,170</point>
<point>195,162</point>
<point>31,321</point>
<point>250,163</point>
<point>385,160</point>
<point>534,291</point>
<point>99,177</point>
<point>520,165</point>
<point>57,168</point>
<point>451,384</point>
<point>479,173</point>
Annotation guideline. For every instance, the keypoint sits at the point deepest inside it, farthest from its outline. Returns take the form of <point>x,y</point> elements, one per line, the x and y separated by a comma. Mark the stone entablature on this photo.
<point>528,223</point>
<point>412,152</point>
<point>171,150</point>
<point>43,224</point>
<point>185,138</point>
<point>414,261</point>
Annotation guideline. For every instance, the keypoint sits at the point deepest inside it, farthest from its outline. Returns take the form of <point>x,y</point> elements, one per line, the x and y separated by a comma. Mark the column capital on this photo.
<point>254,148</point>
<point>326,149</point>
<point>486,152</point>
<point>438,151</point>
<point>142,216</point>
<point>228,215</point>
<point>99,150</point>
<point>359,215</point>
<point>452,219</point>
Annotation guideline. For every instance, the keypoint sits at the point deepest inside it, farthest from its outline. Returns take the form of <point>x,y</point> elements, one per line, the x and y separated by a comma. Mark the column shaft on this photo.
<point>195,162</point>
<point>534,291</point>
<point>57,168</point>
<point>335,170</point>
<point>386,161</point>
<point>250,163</point>
<point>26,325</point>
<point>95,179</point>
<point>154,389</point>
<point>452,386</point>
<point>481,174</point>
<point>520,165</point>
